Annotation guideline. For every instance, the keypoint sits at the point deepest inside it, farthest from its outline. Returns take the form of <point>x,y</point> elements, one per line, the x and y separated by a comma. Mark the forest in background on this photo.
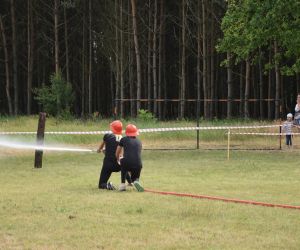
<point>238,58</point>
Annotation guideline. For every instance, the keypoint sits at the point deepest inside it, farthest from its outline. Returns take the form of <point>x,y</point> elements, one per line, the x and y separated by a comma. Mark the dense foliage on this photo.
<point>57,98</point>
<point>238,57</point>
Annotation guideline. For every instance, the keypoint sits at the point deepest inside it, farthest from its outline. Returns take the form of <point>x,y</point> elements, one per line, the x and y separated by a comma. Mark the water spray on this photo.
<point>28,146</point>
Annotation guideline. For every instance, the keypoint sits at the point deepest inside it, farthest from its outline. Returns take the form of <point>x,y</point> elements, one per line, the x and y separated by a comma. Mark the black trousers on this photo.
<point>134,170</point>
<point>288,140</point>
<point>109,166</point>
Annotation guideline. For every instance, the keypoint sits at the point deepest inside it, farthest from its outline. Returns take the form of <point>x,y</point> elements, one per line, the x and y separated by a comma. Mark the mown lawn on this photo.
<point>60,207</point>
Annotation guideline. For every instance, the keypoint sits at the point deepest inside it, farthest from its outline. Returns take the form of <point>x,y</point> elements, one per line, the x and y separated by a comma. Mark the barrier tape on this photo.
<point>249,202</point>
<point>146,130</point>
<point>276,134</point>
<point>206,128</point>
<point>58,133</point>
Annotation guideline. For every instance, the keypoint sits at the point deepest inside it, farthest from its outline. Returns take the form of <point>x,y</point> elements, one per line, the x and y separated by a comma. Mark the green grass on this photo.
<point>177,139</point>
<point>60,207</point>
<point>29,123</point>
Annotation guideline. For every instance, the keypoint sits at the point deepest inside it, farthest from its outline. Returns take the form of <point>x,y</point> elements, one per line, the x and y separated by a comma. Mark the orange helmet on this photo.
<point>116,127</point>
<point>131,130</point>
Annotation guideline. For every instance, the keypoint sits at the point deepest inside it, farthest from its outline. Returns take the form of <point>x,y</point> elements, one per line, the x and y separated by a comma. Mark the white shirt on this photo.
<point>287,127</point>
<point>297,111</point>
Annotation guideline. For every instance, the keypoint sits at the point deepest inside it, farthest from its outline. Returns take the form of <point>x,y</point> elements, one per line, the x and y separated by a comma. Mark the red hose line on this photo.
<point>257,203</point>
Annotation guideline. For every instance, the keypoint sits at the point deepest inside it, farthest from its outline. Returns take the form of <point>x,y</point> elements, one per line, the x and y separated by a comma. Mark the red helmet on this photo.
<point>116,127</point>
<point>131,130</point>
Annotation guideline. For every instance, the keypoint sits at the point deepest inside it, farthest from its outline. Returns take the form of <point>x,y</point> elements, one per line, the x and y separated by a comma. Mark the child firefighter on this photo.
<point>110,163</point>
<point>131,160</point>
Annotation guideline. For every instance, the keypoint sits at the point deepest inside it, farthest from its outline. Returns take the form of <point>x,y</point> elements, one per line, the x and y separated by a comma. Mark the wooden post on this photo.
<point>280,127</point>
<point>198,122</point>
<point>280,130</point>
<point>38,160</point>
<point>228,145</point>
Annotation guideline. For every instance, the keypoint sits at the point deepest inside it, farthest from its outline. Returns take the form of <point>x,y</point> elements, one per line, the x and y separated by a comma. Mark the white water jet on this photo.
<point>28,146</point>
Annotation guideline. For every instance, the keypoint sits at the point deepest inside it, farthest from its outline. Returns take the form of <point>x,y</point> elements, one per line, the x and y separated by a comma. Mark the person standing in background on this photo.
<point>288,129</point>
<point>297,111</point>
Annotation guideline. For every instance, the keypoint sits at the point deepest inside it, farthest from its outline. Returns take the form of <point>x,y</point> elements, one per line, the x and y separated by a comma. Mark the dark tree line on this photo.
<point>223,53</point>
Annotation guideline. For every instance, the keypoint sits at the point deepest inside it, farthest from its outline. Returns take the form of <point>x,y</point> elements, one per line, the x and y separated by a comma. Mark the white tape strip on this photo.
<point>58,133</point>
<point>205,128</point>
<point>78,133</point>
<point>145,130</point>
<point>276,134</point>
<point>17,133</point>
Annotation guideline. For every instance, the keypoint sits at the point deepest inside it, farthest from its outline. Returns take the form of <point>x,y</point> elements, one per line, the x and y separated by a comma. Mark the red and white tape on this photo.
<point>206,128</point>
<point>145,130</point>
<point>59,133</point>
<point>264,134</point>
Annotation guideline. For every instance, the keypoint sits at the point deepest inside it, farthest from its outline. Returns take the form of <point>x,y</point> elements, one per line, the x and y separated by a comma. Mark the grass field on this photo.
<point>60,207</point>
<point>177,139</point>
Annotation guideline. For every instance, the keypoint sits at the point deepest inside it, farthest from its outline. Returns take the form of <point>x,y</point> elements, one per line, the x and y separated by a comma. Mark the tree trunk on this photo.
<point>255,93</point>
<point>121,59</point>
<point>39,78</point>
<point>149,85</point>
<point>30,56</point>
<point>164,74</point>
<point>270,88</point>
<point>130,60</point>
<point>261,86</point>
<point>183,61</point>
<point>283,99</point>
<point>154,62</point>
<point>204,49</point>
<point>241,107</point>
<point>66,45</point>
<point>112,89</point>
<point>7,86</point>
<point>247,88</point>
<point>160,59</point>
<point>131,83</point>
<point>198,58</point>
<point>298,83</point>
<point>90,59</point>
<point>83,65</point>
<point>15,58</point>
<point>229,86</point>
<point>277,80</point>
<point>138,56</point>
<point>117,53</point>
<point>56,6</point>
<point>217,85</point>
<point>212,65</point>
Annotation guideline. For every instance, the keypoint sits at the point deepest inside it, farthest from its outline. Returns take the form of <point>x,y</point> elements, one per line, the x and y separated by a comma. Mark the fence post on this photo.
<point>198,123</point>
<point>38,159</point>
<point>280,129</point>
<point>228,145</point>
